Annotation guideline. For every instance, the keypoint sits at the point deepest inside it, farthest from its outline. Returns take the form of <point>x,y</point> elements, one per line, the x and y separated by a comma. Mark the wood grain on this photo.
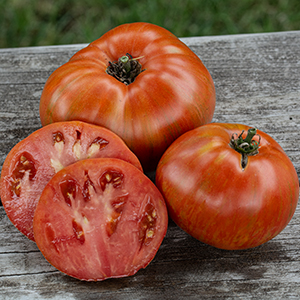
<point>257,79</point>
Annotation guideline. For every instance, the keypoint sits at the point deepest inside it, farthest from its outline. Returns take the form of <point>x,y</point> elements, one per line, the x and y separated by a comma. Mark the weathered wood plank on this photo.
<point>183,265</point>
<point>257,83</point>
<point>258,69</point>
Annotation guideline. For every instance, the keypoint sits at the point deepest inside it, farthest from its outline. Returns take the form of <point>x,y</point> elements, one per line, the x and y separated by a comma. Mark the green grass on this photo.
<point>46,22</point>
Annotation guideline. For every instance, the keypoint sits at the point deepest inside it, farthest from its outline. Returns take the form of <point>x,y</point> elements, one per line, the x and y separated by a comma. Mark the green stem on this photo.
<point>246,146</point>
<point>125,63</point>
<point>251,133</point>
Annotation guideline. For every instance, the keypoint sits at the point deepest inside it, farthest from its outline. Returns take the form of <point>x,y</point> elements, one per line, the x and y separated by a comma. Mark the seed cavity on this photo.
<point>78,231</point>
<point>112,177</point>
<point>77,146</point>
<point>97,144</point>
<point>25,166</point>
<point>50,235</point>
<point>58,137</point>
<point>68,189</point>
<point>58,142</point>
<point>118,205</point>
<point>147,224</point>
<point>78,134</point>
<point>88,188</point>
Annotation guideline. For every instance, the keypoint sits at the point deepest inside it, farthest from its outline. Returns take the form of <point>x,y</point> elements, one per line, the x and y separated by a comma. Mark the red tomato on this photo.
<point>166,92</point>
<point>222,197</point>
<point>34,160</point>
<point>100,218</point>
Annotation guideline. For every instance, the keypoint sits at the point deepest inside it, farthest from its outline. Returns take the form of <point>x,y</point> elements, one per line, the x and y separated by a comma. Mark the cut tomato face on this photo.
<point>33,161</point>
<point>100,218</point>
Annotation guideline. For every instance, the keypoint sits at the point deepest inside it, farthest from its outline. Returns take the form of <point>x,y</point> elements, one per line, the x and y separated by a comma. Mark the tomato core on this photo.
<point>126,69</point>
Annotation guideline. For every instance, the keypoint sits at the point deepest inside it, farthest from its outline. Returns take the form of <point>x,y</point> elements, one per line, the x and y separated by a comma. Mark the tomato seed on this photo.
<point>150,234</point>
<point>108,177</point>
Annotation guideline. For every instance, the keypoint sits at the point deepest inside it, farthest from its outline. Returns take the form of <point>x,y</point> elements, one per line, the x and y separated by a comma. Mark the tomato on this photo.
<point>100,218</point>
<point>138,80</point>
<point>33,161</point>
<point>228,185</point>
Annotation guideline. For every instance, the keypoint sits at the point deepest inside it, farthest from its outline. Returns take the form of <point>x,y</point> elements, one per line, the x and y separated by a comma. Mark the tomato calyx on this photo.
<point>246,146</point>
<point>126,69</point>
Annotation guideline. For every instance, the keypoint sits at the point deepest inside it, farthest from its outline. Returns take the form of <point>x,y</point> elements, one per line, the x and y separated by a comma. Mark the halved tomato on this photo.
<point>100,218</point>
<point>33,161</point>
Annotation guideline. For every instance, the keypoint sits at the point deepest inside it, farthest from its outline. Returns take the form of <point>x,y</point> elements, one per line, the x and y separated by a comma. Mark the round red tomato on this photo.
<point>100,218</point>
<point>33,161</point>
<point>138,80</point>
<point>228,186</point>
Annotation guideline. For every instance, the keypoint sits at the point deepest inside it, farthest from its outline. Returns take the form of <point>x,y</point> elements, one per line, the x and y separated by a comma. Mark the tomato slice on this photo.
<point>100,218</point>
<point>33,161</point>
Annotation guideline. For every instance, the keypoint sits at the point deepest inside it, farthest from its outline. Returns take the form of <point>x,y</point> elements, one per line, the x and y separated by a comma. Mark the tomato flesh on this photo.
<point>100,218</point>
<point>33,161</point>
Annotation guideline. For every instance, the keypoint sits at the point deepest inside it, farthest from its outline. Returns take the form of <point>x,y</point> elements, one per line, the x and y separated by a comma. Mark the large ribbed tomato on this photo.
<point>227,188</point>
<point>138,80</point>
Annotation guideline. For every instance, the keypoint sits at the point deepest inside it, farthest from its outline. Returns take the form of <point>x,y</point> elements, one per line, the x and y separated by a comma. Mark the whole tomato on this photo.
<point>228,185</point>
<point>138,80</point>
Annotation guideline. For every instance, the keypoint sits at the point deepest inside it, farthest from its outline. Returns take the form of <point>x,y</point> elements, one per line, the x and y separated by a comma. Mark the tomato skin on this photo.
<point>33,161</point>
<point>211,197</point>
<point>175,92</point>
<point>114,233</point>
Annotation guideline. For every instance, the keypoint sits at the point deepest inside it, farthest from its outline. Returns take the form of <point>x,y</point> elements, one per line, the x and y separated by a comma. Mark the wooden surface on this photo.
<point>257,79</point>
